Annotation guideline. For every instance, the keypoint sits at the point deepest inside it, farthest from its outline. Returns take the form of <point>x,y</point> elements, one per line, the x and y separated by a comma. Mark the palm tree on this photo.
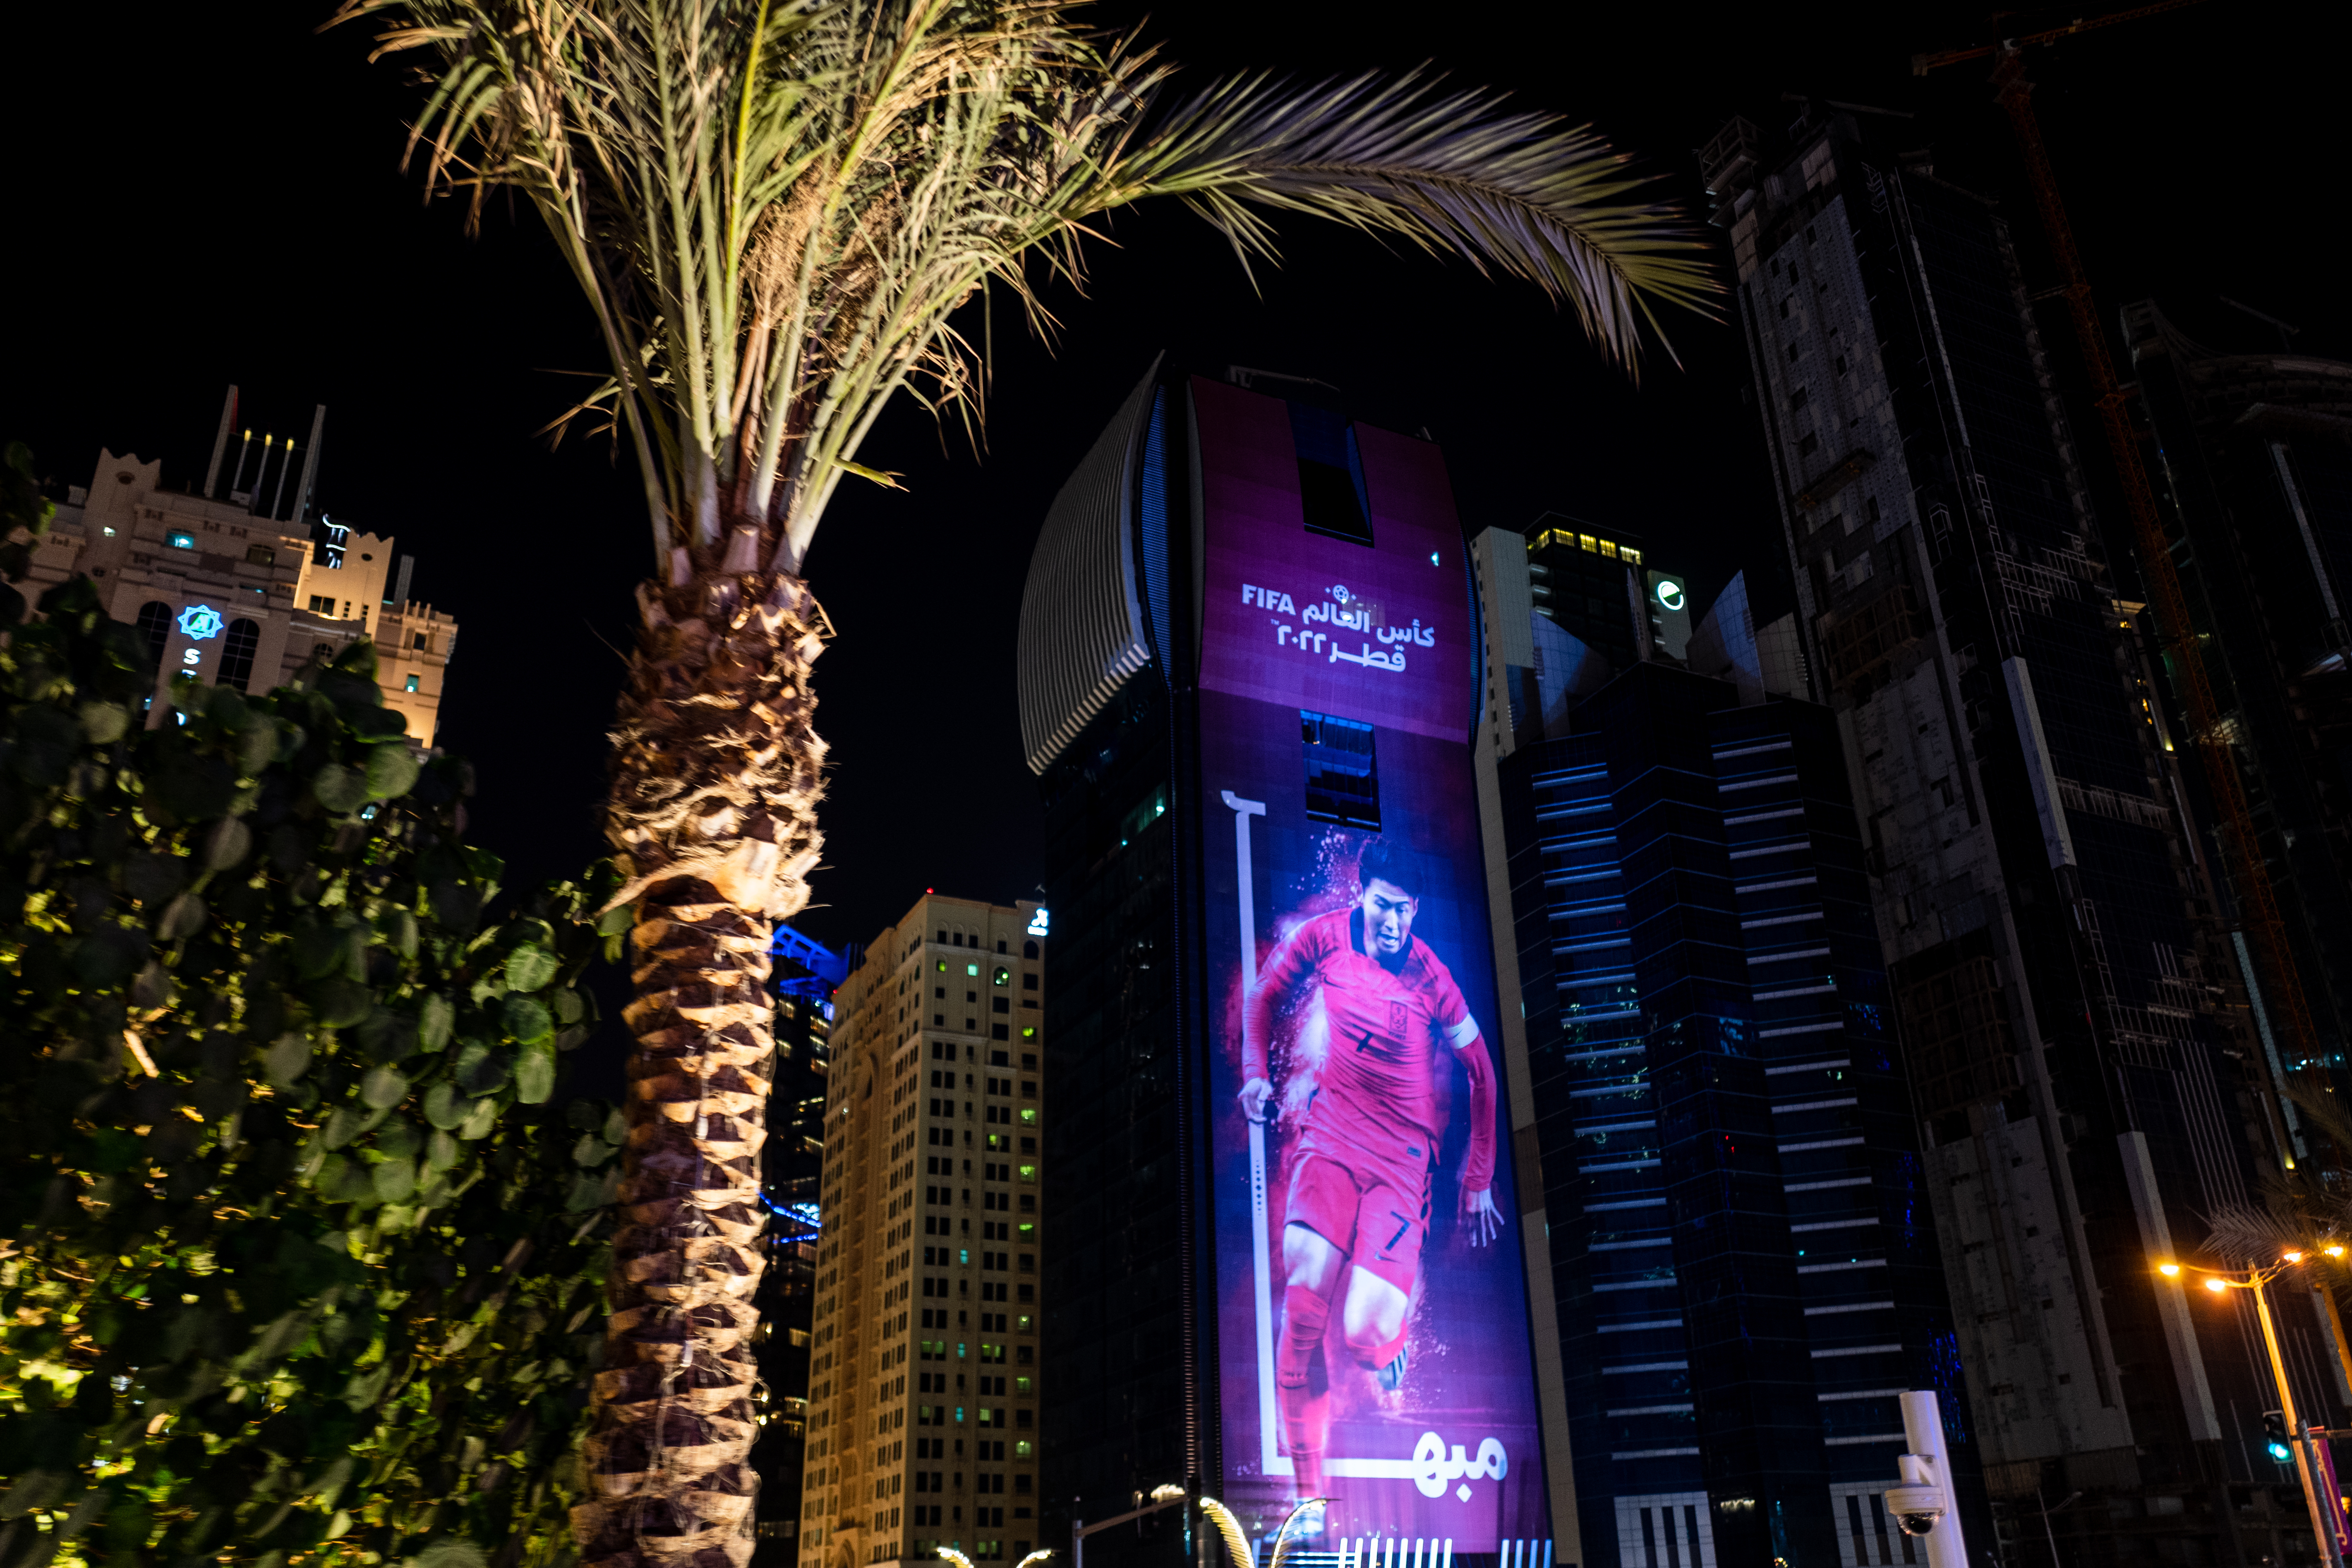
<point>774,208</point>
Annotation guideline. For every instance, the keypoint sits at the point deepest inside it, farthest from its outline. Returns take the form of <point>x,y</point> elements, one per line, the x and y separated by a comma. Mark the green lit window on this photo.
<point>179,541</point>
<point>1004,976</point>
<point>1028,1235</point>
<point>1021,1322</point>
<point>1029,1116</point>
<point>1030,1033</point>
<point>963,1254</point>
<point>943,966</point>
<point>1029,1173</point>
<point>1022,1449</point>
<point>1021,1386</point>
<point>972,969</point>
<point>412,684</point>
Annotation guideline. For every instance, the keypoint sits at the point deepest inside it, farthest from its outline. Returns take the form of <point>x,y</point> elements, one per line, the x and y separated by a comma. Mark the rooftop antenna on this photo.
<point>285,467</point>
<point>399,594</point>
<point>220,444</point>
<point>2286,333</point>
<point>237,486</point>
<point>310,464</point>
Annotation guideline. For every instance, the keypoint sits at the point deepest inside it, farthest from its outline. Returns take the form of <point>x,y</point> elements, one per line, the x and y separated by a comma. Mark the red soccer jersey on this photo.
<point>1378,1092</point>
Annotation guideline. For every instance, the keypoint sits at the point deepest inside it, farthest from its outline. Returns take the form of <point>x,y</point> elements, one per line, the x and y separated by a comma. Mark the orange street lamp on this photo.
<point>2323,1529</point>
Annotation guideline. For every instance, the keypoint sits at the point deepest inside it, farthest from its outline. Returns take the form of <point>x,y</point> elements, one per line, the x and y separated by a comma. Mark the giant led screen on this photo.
<point>1371,1311</point>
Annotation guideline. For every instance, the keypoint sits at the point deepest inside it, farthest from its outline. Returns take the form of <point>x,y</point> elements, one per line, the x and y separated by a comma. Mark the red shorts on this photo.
<point>1378,1217</point>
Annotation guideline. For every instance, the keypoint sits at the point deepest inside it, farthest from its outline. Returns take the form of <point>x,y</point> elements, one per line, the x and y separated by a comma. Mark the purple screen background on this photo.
<point>1471,1375</point>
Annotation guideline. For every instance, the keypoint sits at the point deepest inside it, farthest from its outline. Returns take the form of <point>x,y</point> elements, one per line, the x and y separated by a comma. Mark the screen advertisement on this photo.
<point>1373,1339</point>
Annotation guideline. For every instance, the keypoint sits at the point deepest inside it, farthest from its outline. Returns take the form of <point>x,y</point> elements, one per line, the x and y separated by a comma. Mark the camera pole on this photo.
<point>1923,1505</point>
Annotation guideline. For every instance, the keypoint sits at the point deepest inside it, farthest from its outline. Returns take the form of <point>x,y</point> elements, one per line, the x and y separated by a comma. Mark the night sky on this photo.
<point>208,196</point>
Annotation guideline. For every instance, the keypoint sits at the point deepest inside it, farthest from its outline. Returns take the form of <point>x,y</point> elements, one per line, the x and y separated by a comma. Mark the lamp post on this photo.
<point>2323,1527</point>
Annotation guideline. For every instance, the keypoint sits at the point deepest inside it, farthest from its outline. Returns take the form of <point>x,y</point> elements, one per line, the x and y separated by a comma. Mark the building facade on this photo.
<point>922,1425</point>
<point>1744,1258</point>
<point>2085,1076</point>
<point>233,597</point>
<point>2252,454</point>
<point>1594,582</point>
<point>1249,679</point>
<point>1730,1233</point>
<point>804,978</point>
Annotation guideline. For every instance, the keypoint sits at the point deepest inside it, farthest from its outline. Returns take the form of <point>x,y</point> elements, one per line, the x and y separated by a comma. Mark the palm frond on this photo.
<point>1229,1530</point>
<point>775,208</point>
<point>2242,1233</point>
<point>1528,195</point>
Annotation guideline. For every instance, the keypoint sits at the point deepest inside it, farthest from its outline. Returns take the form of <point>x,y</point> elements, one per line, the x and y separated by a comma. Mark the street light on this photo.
<point>2322,1528</point>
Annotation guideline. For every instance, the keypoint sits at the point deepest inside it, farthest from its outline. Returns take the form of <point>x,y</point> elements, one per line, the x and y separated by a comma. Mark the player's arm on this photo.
<point>1479,1208</point>
<point>1292,963</point>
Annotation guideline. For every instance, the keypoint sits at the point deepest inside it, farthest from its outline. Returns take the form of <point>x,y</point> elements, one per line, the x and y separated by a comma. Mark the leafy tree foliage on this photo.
<point>302,1261</point>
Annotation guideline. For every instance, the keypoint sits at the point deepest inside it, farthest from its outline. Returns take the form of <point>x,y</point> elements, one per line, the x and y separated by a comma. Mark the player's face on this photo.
<point>1388,916</point>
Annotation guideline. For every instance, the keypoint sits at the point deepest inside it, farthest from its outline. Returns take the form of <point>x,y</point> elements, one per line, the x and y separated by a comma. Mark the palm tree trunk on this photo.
<point>715,784</point>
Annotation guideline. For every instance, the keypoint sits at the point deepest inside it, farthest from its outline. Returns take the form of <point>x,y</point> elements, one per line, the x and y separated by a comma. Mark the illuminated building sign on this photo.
<point>1037,921</point>
<point>1372,1335</point>
<point>1670,594</point>
<point>199,622</point>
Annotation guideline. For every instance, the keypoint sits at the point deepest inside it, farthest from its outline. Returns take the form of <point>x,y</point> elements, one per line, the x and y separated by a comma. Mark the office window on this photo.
<point>321,605</point>
<point>419,640</point>
<point>1002,976</point>
<point>260,556</point>
<point>1342,774</point>
<point>1331,474</point>
<point>179,541</point>
<point>412,684</point>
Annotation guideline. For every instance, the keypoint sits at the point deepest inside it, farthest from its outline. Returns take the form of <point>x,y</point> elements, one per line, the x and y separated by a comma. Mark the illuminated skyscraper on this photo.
<point>2087,1081</point>
<point>1249,677</point>
<point>1594,582</point>
<point>922,1415</point>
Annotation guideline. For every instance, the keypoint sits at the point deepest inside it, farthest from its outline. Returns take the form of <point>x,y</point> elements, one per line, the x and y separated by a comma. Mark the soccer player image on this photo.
<point>1366,1151</point>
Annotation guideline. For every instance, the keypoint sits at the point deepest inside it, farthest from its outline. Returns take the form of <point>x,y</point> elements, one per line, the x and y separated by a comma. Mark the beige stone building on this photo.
<point>236,597</point>
<point>922,1429</point>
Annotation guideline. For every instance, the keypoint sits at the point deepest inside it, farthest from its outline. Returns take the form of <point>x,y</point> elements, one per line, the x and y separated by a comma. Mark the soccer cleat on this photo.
<point>1393,1374</point>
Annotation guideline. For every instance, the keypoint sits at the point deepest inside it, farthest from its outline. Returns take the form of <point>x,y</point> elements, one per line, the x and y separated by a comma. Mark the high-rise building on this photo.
<point>1594,582</point>
<point>922,1415</point>
<point>2255,481</point>
<point>803,976</point>
<point>228,594</point>
<point>2079,1051</point>
<point>1249,675</point>
<point>1729,1234</point>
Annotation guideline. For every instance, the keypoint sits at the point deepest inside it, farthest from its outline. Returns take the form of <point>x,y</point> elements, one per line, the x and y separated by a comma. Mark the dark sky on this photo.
<point>202,196</point>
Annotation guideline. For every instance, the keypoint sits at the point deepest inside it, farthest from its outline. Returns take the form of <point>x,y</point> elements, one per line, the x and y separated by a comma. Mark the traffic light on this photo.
<point>2275,1438</point>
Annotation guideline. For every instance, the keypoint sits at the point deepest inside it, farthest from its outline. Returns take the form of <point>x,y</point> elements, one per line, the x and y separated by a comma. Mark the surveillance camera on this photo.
<point>1916,1509</point>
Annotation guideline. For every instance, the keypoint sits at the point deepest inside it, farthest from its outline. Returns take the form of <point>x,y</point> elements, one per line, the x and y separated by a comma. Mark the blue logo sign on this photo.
<point>201,621</point>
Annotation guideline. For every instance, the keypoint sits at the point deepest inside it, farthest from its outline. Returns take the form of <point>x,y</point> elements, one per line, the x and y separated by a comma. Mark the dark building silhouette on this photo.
<point>802,979</point>
<point>2068,1007</point>
<point>2252,458</point>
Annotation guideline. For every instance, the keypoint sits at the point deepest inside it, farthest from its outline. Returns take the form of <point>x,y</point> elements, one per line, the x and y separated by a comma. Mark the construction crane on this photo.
<point>2249,875</point>
<point>1922,64</point>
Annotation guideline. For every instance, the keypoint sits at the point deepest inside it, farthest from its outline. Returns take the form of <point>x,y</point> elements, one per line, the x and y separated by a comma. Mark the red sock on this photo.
<point>1375,1357</point>
<point>1306,1409</point>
